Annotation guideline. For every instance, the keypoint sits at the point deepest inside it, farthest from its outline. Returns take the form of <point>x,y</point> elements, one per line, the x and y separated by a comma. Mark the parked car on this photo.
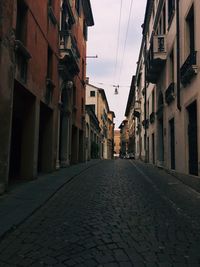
<point>127,156</point>
<point>131,156</point>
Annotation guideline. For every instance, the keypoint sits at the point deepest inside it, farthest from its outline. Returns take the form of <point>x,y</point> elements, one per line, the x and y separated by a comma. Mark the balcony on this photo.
<point>70,56</point>
<point>156,57</point>
<point>189,69</point>
<point>170,93</point>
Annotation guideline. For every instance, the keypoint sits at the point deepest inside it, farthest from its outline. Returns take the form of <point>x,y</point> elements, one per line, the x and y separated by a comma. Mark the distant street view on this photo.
<point>99,158</point>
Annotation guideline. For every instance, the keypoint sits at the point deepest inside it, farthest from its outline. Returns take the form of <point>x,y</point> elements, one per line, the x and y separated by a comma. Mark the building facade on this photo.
<point>129,113</point>
<point>92,136</point>
<point>75,18</point>
<point>96,98</point>
<point>117,143</point>
<point>111,127</point>
<point>30,95</point>
<point>124,138</point>
<point>169,66</point>
<point>35,96</point>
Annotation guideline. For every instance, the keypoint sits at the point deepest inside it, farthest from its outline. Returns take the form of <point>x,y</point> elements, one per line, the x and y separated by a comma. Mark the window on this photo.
<point>82,105</point>
<point>85,30</point>
<point>190,30</point>
<point>22,54</point>
<point>92,107</point>
<point>83,71</point>
<point>153,102</point>
<point>171,8</point>
<point>64,19</point>
<point>49,82</point>
<point>162,22</point>
<point>92,93</point>
<point>78,6</point>
<point>164,19</point>
<point>67,17</point>
<point>50,2</point>
<point>171,69</point>
<point>148,108</point>
<point>21,26</point>
<point>74,96</point>
<point>51,14</point>
<point>50,63</point>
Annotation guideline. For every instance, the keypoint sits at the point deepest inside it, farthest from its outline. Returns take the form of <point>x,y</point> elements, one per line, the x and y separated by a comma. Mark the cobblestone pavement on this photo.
<point>111,215</point>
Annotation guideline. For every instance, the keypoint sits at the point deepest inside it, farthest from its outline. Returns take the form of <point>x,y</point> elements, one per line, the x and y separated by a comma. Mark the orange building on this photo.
<point>76,16</point>
<point>117,142</point>
<point>30,96</point>
<point>42,82</point>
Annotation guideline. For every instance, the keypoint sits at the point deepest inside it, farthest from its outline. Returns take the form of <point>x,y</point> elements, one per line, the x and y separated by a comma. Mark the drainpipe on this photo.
<point>178,54</point>
<point>145,95</point>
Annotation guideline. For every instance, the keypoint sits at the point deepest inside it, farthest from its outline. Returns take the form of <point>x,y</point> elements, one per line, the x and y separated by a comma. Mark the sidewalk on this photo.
<point>23,200</point>
<point>189,180</point>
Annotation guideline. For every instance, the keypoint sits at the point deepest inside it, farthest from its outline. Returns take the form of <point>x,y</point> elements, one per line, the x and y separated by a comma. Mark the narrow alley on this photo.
<point>114,213</point>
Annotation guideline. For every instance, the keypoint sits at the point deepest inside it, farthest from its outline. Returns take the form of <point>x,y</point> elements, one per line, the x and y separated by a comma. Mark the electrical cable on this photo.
<point>126,37</point>
<point>106,84</point>
<point>118,38</point>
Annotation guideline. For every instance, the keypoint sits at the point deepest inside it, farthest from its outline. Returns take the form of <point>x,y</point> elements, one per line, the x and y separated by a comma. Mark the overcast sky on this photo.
<point>114,66</point>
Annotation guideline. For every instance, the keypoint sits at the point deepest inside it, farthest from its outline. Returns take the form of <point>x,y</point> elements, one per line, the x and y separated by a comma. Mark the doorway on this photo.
<point>153,149</point>
<point>172,143</point>
<point>22,135</point>
<point>45,145</point>
<point>192,139</point>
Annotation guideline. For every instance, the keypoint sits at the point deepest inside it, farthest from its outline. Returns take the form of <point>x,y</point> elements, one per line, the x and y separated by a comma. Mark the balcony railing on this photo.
<point>157,56</point>
<point>189,68</point>
<point>170,93</point>
<point>69,52</point>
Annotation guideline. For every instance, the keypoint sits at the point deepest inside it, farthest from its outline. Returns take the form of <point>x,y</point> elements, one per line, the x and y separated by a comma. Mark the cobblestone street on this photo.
<point>116,213</point>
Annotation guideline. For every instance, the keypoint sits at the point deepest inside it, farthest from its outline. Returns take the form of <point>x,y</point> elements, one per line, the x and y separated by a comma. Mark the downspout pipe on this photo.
<point>178,54</point>
<point>145,95</point>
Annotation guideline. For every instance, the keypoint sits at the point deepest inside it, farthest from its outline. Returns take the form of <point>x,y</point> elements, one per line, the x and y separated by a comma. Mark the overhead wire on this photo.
<point>118,38</point>
<point>113,85</point>
<point>125,42</point>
